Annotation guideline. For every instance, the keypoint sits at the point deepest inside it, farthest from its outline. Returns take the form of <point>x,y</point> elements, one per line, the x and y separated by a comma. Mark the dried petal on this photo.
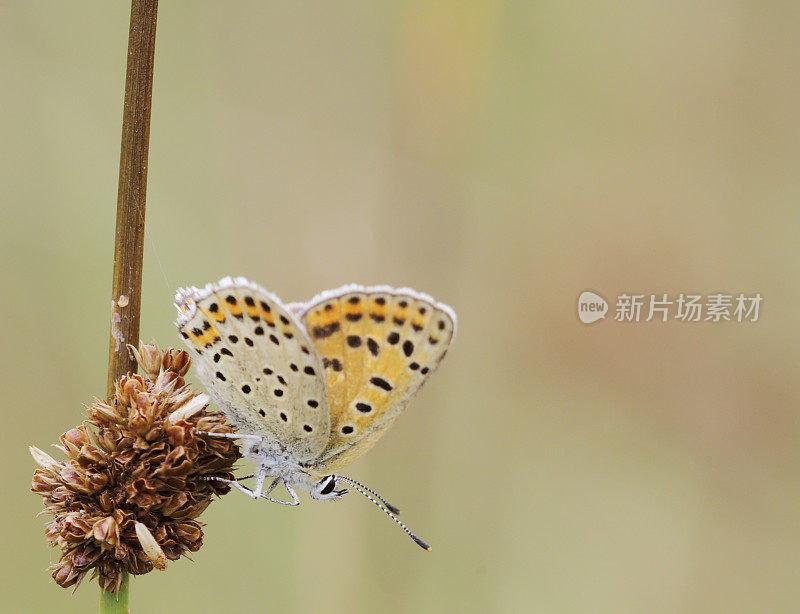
<point>75,528</point>
<point>189,409</point>
<point>180,434</point>
<point>42,483</point>
<point>174,503</point>
<point>75,479</point>
<point>86,557</point>
<point>73,439</point>
<point>148,357</point>
<point>104,412</point>
<point>64,573</point>
<point>177,463</point>
<point>150,547</point>
<point>89,455</point>
<point>44,460</point>
<point>177,361</point>
<point>107,531</point>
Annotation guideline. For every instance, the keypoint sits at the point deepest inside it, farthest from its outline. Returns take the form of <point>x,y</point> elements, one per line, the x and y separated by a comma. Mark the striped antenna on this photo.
<point>394,510</point>
<point>363,490</point>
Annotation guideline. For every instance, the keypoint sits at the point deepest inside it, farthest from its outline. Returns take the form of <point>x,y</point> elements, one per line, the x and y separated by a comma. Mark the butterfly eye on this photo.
<point>329,486</point>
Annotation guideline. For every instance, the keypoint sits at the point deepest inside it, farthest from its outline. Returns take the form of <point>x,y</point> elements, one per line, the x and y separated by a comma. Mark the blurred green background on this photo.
<point>504,157</point>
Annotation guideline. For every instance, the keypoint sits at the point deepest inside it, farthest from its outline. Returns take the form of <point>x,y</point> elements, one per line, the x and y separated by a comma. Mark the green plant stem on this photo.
<point>116,604</point>
<point>129,235</point>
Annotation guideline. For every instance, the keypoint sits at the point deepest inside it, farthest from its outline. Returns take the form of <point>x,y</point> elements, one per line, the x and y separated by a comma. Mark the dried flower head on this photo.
<point>128,495</point>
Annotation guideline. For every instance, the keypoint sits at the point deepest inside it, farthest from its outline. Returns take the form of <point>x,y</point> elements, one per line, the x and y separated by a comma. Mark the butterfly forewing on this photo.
<point>258,364</point>
<point>378,346</point>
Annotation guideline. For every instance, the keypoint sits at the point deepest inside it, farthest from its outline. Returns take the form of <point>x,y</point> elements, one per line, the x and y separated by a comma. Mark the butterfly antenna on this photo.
<point>394,510</point>
<point>363,490</point>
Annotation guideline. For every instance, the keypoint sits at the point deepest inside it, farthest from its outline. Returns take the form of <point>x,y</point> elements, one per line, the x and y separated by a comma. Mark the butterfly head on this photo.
<point>325,489</point>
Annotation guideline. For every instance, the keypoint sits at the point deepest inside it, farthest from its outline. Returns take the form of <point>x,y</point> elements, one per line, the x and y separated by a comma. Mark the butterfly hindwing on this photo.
<point>258,364</point>
<point>378,346</point>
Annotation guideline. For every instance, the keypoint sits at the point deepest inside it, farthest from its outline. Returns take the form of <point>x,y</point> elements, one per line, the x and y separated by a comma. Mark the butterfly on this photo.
<point>312,386</point>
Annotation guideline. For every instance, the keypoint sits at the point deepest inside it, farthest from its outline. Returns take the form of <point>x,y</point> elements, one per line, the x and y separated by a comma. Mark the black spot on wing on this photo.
<point>373,346</point>
<point>380,383</point>
<point>320,332</point>
<point>333,363</point>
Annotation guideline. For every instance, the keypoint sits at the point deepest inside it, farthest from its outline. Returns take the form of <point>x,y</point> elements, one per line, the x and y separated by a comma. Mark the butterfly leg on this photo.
<point>234,484</point>
<point>255,493</point>
<point>289,489</point>
<point>230,435</point>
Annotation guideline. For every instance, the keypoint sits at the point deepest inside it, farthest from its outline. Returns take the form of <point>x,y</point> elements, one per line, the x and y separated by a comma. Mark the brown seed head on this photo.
<point>131,488</point>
